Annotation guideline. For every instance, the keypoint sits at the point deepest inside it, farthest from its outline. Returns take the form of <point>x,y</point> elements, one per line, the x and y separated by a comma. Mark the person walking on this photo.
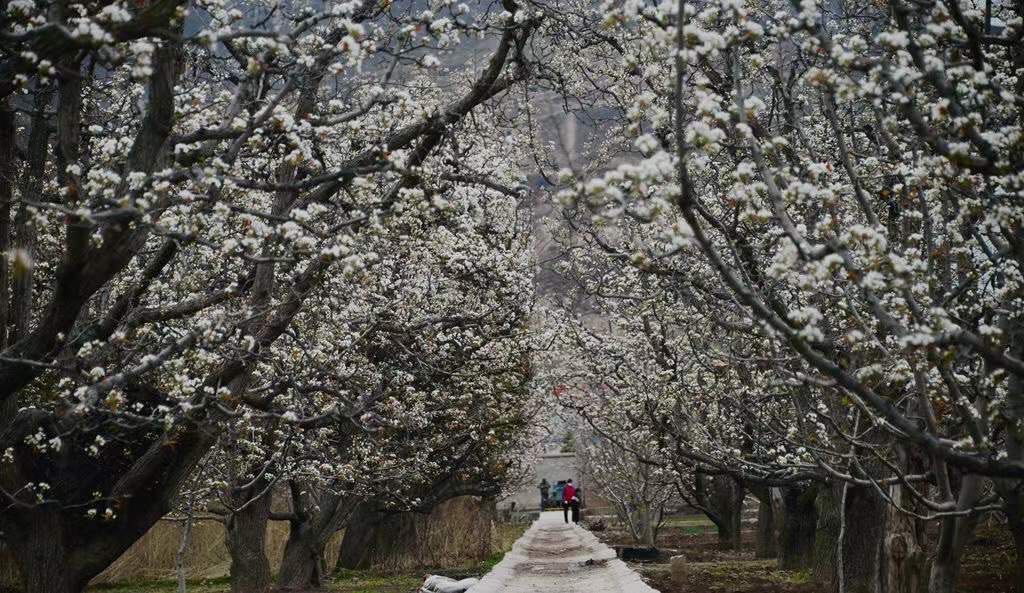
<point>570,501</point>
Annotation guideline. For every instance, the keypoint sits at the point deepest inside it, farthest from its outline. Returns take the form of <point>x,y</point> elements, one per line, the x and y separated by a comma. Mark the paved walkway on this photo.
<point>553,557</point>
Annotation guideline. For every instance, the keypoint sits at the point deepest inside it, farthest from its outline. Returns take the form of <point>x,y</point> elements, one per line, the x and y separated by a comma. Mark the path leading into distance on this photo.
<point>553,557</point>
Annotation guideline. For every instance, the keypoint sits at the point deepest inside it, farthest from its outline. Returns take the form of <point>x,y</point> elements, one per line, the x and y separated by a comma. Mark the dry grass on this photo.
<point>455,533</point>
<point>206,557</point>
<point>152,557</point>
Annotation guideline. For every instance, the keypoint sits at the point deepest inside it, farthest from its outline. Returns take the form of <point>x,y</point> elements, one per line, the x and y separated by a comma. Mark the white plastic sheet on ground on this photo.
<point>438,584</point>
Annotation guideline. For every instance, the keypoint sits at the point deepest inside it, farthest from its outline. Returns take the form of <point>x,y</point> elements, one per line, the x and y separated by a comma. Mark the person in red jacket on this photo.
<point>570,501</point>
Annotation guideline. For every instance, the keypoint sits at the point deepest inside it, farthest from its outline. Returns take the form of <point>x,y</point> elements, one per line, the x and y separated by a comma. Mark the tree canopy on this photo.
<point>295,250</point>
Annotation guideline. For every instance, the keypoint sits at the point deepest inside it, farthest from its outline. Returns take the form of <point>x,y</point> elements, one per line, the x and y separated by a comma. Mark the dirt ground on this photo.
<point>987,568</point>
<point>989,563</point>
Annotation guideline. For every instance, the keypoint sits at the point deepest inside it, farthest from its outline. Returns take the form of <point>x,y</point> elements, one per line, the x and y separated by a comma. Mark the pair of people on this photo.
<point>571,501</point>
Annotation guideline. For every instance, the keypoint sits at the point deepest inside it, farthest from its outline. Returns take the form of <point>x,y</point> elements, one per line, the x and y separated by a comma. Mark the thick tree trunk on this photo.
<point>39,580</point>
<point>943,577</point>
<point>954,534</point>
<point>246,541</point>
<point>826,536</point>
<point>726,496</point>
<point>766,542</point>
<point>61,549</point>
<point>372,538</point>
<point>24,231</point>
<point>641,520</point>
<point>765,546</point>
<point>7,174</point>
<point>357,543</point>
<point>43,555</point>
<point>864,536</point>
<point>646,522</point>
<point>903,561</point>
<point>302,566</point>
<point>21,297</point>
<point>1010,490</point>
<point>862,522</point>
<point>799,521</point>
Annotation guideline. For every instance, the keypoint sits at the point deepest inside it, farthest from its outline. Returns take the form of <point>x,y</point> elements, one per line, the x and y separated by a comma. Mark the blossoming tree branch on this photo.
<point>273,261</point>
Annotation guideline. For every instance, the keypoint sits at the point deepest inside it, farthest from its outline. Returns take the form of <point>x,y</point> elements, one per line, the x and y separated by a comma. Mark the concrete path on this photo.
<point>553,557</point>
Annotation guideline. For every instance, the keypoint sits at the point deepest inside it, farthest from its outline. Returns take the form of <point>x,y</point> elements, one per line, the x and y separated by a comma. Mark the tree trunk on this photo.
<point>43,554</point>
<point>766,542</point>
<point>37,579</point>
<point>373,538</point>
<point>641,520</point>
<point>726,494</point>
<point>646,521</point>
<point>1011,491</point>
<point>246,541</point>
<point>357,543</point>
<point>302,566</point>
<point>863,524</point>
<point>7,174</point>
<point>865,532</point>
<point>954,534</point>
<point>179,556</point>
<point>61,549</point>
<point>799,521</point>
<point>24,231</point>
<point>826,536</point>
<point>1018,542</point>
<point>943,576</point>
<point>903,557</point>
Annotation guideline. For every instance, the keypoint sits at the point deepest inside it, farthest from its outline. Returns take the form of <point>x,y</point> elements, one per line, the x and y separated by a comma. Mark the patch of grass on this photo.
<point>690,524</point>
<point>687,520</point>
<point>731,570</point>
<point>789,577</point>
<point>729,576</point>
<point>492,561</point>
<point>746,575</point>
<point>217,585</point>
<point>369,581</point>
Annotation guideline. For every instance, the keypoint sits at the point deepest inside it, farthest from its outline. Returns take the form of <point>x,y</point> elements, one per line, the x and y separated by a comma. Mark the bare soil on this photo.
<point>987,568</point>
